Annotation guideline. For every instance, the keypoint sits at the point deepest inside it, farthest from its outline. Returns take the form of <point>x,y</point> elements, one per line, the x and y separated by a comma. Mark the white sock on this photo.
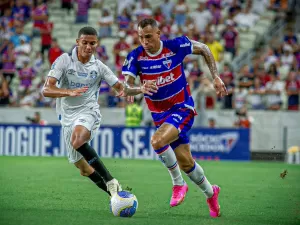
<point>196,174</point>
<point>168,158</point>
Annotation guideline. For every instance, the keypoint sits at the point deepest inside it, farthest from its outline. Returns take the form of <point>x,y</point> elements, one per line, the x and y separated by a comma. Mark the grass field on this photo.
<point>49,191</point>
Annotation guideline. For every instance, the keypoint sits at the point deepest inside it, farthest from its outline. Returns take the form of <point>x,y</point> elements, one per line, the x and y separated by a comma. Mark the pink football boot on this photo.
<point>213,204</point>
<point>178,194</point>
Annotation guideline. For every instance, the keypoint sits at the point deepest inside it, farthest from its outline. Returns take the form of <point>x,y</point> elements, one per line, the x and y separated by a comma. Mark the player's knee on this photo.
<point>77,142</point>
<point>157,142</point>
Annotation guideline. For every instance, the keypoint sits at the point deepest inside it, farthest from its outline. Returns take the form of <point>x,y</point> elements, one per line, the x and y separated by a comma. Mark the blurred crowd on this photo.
<point>272,78</point>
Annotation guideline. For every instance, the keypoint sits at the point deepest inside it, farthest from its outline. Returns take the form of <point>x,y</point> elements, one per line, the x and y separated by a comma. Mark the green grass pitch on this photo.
<point>50,191</point>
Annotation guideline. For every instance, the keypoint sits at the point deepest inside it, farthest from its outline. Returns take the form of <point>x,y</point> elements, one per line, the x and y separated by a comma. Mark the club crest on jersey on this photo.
<point>167,63</point>
<point>93,74</point>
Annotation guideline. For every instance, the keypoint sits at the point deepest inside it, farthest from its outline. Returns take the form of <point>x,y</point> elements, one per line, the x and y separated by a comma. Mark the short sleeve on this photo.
<point>181,45</point>
<point>59,66</point>
<point>106,74</point>
<point>130,66</point>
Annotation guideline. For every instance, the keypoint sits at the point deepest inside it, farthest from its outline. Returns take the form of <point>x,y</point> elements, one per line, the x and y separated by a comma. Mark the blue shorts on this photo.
<point>183,120</point>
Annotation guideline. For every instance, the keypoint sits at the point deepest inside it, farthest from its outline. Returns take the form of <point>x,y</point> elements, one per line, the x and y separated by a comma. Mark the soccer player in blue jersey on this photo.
<point>172,107</point>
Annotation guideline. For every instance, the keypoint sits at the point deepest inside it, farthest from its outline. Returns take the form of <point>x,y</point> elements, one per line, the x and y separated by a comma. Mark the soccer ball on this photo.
<point>123,204</point>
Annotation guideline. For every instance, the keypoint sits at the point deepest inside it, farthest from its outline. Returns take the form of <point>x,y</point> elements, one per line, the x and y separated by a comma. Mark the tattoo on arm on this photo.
<point>130,88</point>
<point>202,49</point>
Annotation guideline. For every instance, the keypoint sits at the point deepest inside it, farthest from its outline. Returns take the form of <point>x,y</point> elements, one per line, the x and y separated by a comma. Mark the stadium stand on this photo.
<point>239,41</point>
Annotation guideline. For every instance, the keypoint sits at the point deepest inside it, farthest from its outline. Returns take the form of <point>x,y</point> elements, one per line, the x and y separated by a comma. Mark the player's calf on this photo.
<point>87,171</point>
<point>84,168</point>
<point>196,174</point>
<point>94,161</point>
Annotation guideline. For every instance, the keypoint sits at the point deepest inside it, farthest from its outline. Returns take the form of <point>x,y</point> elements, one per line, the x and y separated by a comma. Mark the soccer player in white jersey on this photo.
<point>172,107</point>
<point>75,81</point>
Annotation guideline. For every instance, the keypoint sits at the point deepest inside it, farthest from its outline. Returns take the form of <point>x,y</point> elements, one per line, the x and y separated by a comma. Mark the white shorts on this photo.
<point>90,122</point>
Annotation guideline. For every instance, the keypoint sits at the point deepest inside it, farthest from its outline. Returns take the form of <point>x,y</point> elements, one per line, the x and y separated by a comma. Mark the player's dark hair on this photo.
<point>145,22</point>
<point>87,31</point>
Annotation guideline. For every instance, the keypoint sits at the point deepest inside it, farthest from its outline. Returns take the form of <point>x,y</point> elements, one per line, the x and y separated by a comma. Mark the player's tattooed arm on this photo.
<point>202,49</point>
<point>50,90</point>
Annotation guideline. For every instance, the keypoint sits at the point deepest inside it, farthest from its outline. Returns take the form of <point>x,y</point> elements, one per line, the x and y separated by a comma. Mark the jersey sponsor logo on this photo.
<point>167,63</point>
<point>143,58</point>
<point>79,85</point>
<point>81,74</point>
<point>185,45</point>
<point>168,54</point>
<point>71,72</point>
<point>93,74</point>
<point>165,80</point>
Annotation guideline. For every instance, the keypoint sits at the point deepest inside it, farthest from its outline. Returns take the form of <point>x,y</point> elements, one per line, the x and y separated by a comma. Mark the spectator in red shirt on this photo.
<point>46,36</point>
<point>121,45</point>
<point>158,15</point>
<point>54,52</point>
<point>227,72</point>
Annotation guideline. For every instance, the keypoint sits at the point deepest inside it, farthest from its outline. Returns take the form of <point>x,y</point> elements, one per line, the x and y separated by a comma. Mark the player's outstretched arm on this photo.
<point>125,89</point>
<point>50,90</point>
<point>202,49</point>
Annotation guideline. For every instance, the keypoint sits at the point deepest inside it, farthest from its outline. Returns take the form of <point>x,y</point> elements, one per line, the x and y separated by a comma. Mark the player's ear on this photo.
<point>77,41</point>
<point>158,32</point>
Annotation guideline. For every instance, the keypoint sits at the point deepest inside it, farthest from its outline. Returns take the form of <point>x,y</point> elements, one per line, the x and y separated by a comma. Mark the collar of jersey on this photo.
<point>158,52</point>
<point>75,58</point>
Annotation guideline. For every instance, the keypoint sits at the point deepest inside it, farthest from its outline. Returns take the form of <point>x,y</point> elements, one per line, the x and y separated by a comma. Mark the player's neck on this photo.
<point>83,60</point>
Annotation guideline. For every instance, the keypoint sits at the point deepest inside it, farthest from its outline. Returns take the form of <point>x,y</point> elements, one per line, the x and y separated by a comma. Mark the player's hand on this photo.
<point>130,99</point>
<point>78,91</point>
<point>220,87</point>
<point>149,87</point>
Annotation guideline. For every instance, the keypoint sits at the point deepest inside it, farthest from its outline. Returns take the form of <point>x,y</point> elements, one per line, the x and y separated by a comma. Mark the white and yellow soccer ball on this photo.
<point>123,204</point>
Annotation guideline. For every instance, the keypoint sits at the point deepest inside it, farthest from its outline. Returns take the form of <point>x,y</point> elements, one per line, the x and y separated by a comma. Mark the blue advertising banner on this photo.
<point>122,142</point>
